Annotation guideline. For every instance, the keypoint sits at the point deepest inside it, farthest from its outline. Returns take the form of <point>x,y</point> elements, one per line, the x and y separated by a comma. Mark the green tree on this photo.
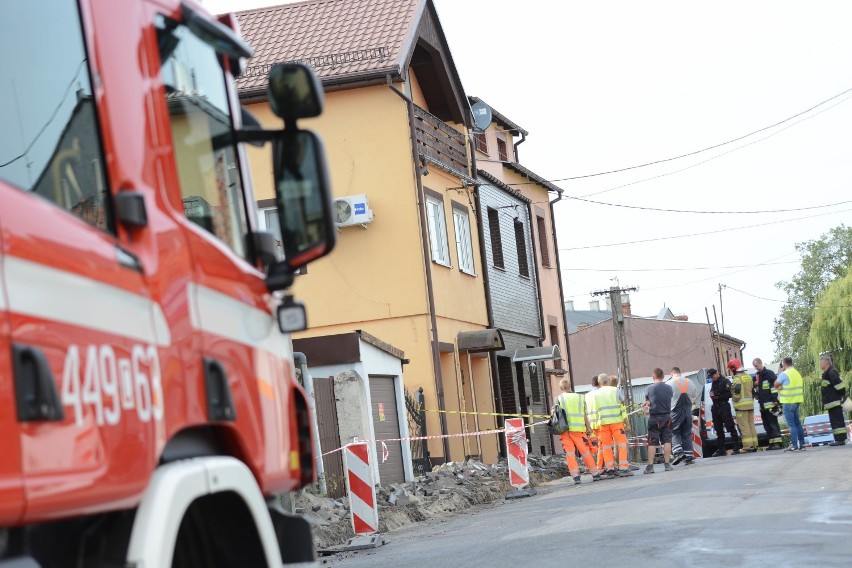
<point>831,329</point>
<point>823,261</point>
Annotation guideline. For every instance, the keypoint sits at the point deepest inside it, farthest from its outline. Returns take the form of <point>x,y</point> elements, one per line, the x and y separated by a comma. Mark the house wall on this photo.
<point>514,298</point>
<point>375,279</point>
<point>651,343</point>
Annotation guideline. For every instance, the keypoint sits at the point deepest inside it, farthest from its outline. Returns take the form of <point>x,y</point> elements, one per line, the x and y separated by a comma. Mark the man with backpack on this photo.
<point>575,436</point>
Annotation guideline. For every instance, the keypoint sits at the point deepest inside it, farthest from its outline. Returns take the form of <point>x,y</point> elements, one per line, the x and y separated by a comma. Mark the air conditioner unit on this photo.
<point>352,210</point>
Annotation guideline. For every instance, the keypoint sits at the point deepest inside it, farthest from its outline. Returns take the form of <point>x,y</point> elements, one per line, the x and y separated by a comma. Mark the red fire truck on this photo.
<point>149,413</point>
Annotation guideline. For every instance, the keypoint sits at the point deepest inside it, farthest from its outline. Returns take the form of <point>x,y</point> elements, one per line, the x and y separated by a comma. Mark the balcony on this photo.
<point>439,143</point>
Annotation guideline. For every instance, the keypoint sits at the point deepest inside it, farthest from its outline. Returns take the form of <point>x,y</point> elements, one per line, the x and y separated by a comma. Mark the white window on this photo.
<point>437,230</point>
<point>461,222</point>
<point>267,220</point>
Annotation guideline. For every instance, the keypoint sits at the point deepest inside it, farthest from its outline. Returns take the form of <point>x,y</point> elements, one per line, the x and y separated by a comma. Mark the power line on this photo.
<point>622,205</point>
<point>695,165</point>
<point>753,295</point>
<point>702,162</point>
<point>689,268</point>
<point>672,237</point>
<point>713,147</point>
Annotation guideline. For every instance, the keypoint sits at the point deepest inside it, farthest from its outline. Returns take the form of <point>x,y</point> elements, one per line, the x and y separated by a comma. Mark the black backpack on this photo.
<point>558,420</point>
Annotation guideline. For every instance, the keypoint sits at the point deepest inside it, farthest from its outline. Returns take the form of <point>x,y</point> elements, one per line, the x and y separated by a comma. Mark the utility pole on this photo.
<point>721,308</point>
<point>621,350</point>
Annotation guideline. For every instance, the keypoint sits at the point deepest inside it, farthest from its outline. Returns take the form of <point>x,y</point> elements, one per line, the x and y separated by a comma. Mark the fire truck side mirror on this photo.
<point>294,92</point>
<point>303,197</point>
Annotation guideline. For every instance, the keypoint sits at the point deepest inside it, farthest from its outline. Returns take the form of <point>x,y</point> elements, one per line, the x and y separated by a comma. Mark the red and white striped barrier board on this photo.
<point>516,449</point>
<point>362,488</point>
<point>697,444</point>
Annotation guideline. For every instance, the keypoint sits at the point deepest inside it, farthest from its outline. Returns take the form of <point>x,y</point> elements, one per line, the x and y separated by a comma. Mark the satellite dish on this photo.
<point>481,115</point>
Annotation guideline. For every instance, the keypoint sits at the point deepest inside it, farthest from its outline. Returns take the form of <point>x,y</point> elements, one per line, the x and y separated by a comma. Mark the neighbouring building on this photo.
<point>395,128</point>
<point>521,256</point>
<point>665,340</point>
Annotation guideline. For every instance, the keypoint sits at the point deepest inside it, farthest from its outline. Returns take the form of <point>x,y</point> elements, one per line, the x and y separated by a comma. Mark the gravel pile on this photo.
<point>447,489</point>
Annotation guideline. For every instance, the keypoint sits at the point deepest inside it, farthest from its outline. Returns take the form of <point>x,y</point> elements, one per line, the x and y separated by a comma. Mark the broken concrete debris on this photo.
<point>448,488</point>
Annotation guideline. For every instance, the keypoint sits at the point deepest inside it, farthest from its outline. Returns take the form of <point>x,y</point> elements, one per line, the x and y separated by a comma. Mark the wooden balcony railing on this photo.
<point>439,141</point>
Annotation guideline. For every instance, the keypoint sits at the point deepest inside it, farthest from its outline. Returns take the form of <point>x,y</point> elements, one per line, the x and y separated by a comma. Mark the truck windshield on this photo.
<point>203,135</point>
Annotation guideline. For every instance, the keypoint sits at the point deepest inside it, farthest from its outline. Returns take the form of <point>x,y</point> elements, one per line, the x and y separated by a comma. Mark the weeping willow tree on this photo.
<point>831,329</point>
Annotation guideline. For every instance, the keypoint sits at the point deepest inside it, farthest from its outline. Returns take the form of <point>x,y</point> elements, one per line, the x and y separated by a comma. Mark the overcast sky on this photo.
<point>607,85</point>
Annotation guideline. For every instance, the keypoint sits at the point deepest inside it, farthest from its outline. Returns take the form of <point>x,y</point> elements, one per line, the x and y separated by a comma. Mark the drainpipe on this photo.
<point>427,256</point>
<point>308,383</point>
<point>561,290</point>
<point>518,143</point>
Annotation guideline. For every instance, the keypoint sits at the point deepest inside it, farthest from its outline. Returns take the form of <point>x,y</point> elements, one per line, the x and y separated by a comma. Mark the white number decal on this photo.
<point>111,384</point>
<point>71,383</point>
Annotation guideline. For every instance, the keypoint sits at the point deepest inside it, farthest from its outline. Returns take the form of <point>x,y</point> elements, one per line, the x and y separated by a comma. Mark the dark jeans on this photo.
<point>770,424</point>
<point>838,423</point>
<point>724,420</point>
<point>682,431</point>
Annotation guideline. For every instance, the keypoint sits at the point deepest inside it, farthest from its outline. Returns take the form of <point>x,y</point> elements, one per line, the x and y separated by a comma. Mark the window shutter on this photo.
<point>496,238</point>
<point>542,241</point>
<point>521,244</point>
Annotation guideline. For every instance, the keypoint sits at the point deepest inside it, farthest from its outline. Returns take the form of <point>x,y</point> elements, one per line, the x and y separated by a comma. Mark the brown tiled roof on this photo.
<point>340,39</point>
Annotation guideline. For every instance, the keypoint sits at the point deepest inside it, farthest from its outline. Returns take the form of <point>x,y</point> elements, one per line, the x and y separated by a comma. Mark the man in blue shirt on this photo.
<point>658,403</point>
<point>791,395</point>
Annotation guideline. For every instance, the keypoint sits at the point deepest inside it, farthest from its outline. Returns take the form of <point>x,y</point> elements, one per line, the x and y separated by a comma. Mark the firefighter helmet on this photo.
<point>735,365</point>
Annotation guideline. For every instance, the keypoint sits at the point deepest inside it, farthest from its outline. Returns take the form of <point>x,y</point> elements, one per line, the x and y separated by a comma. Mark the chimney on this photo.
<point>595,306</point>
<point>681,317</point>
<point>569,305</point>
<point>625,308</point>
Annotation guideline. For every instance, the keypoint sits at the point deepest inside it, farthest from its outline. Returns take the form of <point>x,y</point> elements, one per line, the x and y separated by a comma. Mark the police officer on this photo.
<point>720,393</point>
<point>767,397</point>
<point>833,393</point>
<point>743,386</point>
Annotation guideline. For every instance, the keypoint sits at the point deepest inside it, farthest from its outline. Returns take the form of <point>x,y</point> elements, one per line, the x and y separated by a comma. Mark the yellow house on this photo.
<point>395,128</point>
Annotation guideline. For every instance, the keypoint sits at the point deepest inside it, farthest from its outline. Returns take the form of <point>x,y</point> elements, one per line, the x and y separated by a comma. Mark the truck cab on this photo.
<point>146,371</point>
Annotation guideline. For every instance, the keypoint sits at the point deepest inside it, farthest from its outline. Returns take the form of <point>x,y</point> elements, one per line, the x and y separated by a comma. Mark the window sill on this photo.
<point>525,277</point>
<point>466,273</point>
<point>444,264</point>
<point>500,268</point>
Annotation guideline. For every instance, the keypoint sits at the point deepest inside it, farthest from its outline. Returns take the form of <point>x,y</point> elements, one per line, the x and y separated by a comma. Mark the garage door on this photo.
<point>386,425</point>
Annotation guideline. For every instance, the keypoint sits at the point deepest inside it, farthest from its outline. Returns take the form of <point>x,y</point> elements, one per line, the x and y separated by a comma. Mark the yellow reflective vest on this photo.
<point>592,409</point>
<point>745,399</point>
<point>575,410</point>
<point>609,407</point>
<point>793,392</point>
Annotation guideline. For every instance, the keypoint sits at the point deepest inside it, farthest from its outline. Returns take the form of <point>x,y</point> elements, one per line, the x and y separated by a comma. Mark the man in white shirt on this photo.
<point>685,393</point>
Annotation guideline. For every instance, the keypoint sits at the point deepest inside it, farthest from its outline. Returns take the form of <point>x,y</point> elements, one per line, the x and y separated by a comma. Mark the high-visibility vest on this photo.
<point>592,409</point>
<point>610,409</point>
<point>793,392</point>
<point>573,405</point>
<point>744,400</point>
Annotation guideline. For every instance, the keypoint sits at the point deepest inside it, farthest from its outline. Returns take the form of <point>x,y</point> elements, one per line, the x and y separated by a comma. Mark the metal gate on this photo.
<point>416,429</point>
<point>329,434</point>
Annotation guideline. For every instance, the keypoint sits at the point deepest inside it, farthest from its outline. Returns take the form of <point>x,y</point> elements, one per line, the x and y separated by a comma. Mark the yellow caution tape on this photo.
<point>487,413</point>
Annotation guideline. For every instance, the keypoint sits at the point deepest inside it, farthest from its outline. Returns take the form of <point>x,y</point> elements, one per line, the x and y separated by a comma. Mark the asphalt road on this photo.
<point>765,509</point>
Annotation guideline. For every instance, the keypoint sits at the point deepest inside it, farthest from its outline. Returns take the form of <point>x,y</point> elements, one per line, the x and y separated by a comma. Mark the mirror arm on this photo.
<point>280,277</point>
<point>256,136</point>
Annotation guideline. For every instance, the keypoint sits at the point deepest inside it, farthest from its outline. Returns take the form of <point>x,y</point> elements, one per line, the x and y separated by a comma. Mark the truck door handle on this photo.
<point>35,390</point>
<point>128,260</point>
<point>220,403</point>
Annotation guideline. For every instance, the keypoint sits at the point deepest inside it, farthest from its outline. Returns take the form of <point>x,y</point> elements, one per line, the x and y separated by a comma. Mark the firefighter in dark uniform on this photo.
<point>770,408</point>
<point>833,393</point>
<point>723,419</point>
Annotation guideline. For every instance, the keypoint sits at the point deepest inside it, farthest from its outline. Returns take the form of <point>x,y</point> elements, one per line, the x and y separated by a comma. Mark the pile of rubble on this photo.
<point>448,488</point>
